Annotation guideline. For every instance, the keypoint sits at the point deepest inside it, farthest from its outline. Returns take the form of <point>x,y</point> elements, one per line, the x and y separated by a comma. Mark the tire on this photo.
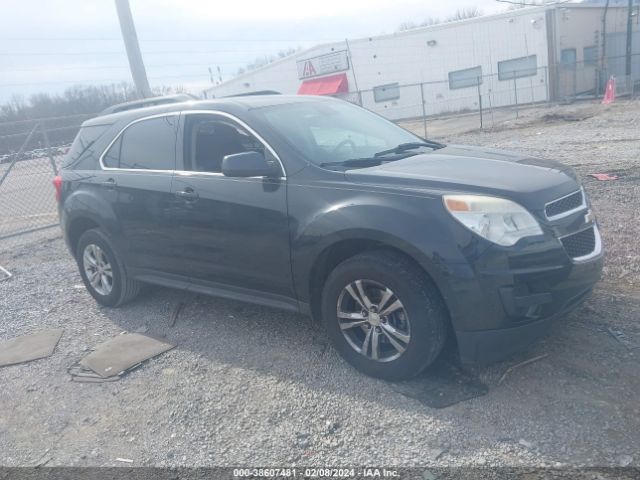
<point>94,244</point>
<point>421,322</point>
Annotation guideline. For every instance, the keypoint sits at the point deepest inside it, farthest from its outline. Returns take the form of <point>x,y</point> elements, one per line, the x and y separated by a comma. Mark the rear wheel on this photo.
<point>384,315</point>
<point>102,271</point>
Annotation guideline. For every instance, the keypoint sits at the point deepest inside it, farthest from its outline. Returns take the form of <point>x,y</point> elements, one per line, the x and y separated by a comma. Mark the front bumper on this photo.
<point>505,302</point>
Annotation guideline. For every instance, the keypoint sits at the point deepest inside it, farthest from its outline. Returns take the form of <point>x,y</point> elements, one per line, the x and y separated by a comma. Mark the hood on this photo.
<point>456,168</point>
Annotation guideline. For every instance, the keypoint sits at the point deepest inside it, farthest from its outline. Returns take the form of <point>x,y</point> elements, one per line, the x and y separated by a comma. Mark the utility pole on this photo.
<point>628,63</point>
<point>130,38</point>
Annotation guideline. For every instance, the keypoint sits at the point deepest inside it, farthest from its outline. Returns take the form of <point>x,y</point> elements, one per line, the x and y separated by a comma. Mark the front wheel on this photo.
<point>384,315</point>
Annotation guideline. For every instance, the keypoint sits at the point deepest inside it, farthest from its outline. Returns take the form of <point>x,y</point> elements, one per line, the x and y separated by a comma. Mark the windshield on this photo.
<point>334,132</point>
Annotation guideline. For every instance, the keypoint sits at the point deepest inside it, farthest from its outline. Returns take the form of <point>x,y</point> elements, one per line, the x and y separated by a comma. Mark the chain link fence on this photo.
<point>31,153</point>
<point>495,98</point>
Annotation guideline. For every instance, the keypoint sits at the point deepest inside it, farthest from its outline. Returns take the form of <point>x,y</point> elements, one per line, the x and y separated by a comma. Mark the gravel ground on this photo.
<point>247,385</point>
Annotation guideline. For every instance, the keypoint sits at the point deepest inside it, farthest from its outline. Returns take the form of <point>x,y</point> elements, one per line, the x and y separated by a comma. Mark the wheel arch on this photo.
<point>343,248</point>
<point>77,226</point>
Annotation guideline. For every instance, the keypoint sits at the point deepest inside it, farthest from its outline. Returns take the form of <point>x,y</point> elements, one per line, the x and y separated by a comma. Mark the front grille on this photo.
<point>564,204</point>
<point>580,244</point>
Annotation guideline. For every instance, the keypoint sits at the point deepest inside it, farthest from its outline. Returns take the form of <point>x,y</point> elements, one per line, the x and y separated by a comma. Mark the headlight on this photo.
<point>497,219</point>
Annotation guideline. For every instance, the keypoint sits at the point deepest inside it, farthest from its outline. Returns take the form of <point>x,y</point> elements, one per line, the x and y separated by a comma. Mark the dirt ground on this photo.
<point>247,385</point>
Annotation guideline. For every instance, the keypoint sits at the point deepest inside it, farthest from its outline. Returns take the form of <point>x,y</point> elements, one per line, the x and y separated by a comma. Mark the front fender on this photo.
<point>417,225</point>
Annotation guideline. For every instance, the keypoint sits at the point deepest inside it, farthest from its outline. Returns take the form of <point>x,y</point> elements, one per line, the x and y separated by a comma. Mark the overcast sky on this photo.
<point>49,45</point>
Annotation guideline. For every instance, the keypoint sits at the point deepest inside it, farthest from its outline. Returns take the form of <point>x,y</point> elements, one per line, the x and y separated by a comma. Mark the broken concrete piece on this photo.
<point>29,347</point>
<point>123,352</point>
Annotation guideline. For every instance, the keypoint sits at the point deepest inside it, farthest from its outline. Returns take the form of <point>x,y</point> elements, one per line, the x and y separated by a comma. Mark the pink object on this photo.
<point>610,91</point>
<point>330,85</point>
<point>603,176</point>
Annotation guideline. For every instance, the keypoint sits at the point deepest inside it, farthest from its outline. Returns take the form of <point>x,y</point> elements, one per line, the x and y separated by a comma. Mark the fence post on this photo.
<point>515,92</point>
<point>480,101</point>
<point>424,110</point>
<point>546,80</point>
<point>47,145</point>
<point>18,153</point>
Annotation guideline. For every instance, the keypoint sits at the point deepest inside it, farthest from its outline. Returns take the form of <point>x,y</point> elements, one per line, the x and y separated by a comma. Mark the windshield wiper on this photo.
<point>355,162</point>
<point>403,147</point>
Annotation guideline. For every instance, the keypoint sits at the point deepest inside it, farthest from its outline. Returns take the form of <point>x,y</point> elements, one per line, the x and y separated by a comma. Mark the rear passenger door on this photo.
<point>137,172</point>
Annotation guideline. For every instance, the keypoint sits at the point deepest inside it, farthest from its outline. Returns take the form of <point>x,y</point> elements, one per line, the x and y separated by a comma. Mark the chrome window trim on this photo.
<point>582,206</point>
<point>115,139</point>
<point>183,172</point>
<point>597,249</point>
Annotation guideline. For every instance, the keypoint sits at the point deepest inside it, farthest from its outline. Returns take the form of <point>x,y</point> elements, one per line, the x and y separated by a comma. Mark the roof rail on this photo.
<point>148,102</point>
<point>251,94</point>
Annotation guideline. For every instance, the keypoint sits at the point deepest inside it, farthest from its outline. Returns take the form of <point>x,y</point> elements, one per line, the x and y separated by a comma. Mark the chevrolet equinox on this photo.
<point>315,205</point>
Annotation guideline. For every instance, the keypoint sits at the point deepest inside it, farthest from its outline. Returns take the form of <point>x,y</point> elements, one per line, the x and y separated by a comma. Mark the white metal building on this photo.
<point>522,56</point>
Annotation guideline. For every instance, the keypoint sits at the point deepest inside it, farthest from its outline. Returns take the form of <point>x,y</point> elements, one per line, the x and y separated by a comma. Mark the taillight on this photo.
<point>57,183</point>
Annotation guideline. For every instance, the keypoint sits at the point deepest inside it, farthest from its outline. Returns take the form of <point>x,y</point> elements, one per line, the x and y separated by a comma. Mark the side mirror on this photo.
<point>249,164</point>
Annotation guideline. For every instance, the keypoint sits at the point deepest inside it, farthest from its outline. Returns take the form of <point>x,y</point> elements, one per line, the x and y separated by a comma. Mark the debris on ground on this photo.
<point>521,364</point>
<point>565,117</point>
<point>117,356</point>
<point>603,176</point>
<point>5,274</point>
<point>29,347</point>
<point>124,460</point>
<point>619,336</point>
<point>81,374</point>
<point>188,298</point>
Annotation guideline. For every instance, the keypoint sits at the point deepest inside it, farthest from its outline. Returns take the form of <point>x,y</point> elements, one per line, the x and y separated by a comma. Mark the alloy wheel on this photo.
<point>97,269</point>
<point>373,320</point>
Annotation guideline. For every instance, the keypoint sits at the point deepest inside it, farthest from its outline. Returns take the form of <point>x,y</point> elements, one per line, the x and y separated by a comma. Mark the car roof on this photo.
<point>245,103</point>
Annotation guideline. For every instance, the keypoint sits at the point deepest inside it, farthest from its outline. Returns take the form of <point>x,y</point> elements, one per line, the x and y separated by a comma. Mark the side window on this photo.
<point>112,157</point>
<point>209,138</point>
<point>82,153</point>
<point>145,145</point>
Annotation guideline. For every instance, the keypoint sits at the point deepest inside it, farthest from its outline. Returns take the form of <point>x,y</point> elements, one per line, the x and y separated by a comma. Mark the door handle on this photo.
<point>188,194</point>
<point>109,183</point>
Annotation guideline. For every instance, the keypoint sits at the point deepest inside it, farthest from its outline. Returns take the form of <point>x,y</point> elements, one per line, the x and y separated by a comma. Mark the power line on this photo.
<point>93,81</point>
<point>101,67</point>
<point>515,2</point>
<point>164,40</point>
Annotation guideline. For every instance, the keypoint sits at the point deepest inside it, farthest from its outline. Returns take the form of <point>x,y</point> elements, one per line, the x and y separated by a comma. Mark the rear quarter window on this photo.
<point>83,154</point>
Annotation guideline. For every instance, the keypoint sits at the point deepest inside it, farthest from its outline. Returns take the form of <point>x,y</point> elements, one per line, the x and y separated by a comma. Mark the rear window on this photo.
<point>146,145</point>
<point>82,153</point>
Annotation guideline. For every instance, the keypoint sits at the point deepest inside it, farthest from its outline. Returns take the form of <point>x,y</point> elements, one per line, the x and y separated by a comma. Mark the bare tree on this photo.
<point>266,60</point>
<point>464,13</point>
<point>460,14</point>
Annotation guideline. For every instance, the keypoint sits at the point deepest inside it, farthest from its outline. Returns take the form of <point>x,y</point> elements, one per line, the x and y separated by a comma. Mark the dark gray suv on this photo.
<point>315,205</point>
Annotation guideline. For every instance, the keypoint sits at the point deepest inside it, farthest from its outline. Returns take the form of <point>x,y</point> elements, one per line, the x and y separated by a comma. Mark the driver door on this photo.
<point>229,232</point>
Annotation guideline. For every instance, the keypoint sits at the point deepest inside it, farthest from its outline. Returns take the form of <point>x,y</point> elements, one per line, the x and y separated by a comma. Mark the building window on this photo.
<point>384,93</point>
<point>469,77</point>
<point>590,55</point>
<point>568,57</point>
<point>518,68</point>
